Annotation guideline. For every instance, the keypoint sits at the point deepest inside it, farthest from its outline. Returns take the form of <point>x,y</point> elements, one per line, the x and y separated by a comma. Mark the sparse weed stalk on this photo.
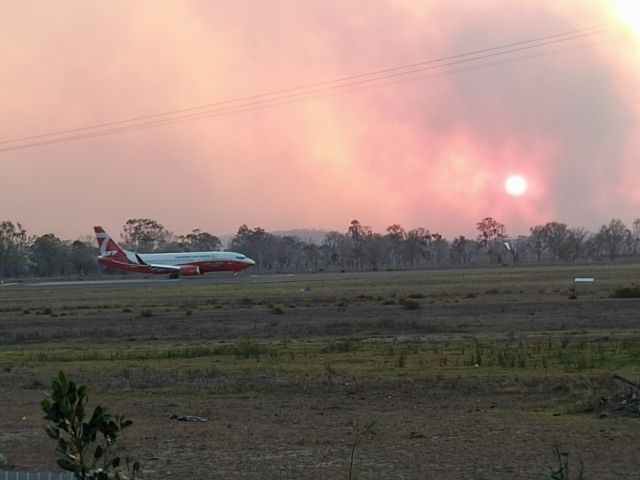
<point>562,471</point>
<point>479,351</point>
<point>357,439</point>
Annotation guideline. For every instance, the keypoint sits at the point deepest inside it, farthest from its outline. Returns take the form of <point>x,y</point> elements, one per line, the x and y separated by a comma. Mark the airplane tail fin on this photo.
<point>108,247</point>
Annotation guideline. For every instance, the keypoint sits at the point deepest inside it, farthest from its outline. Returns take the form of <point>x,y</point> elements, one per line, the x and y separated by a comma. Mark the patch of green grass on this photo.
<point>341,346</point>
<point>248,349</point>
<point>524,356</point>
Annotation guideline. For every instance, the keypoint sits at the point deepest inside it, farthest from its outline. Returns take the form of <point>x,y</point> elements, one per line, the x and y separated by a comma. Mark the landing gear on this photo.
<point>173,276</point>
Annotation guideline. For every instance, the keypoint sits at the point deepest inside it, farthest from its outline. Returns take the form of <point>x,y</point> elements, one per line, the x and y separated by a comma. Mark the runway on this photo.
<point>66,283</point>
<point>164,281</point>
<point>208,279</point>
<point>157,281</point>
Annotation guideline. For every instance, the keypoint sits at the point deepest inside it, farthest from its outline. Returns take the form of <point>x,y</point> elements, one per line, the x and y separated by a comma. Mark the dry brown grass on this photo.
<point>282,392</point>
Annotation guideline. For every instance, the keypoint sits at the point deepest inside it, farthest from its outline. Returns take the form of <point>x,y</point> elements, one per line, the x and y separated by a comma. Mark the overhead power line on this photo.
<point>347,84</point>
<point>284,100</point>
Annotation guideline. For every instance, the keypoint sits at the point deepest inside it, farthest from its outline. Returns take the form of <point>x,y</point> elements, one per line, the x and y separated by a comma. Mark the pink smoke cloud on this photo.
<point>432,152</point>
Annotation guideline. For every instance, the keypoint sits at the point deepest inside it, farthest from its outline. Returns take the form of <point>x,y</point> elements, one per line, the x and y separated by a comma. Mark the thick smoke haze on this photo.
<point>431,151</point>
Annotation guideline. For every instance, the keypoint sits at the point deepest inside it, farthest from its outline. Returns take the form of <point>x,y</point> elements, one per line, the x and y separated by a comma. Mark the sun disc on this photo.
<point>515,185</point>
<point>629,13</point>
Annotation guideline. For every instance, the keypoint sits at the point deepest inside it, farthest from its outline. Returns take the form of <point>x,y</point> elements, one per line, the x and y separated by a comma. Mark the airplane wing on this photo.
<point>158,267</point>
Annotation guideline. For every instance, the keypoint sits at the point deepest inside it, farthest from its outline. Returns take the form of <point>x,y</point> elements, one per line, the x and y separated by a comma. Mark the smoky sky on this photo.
<point>431,151</point>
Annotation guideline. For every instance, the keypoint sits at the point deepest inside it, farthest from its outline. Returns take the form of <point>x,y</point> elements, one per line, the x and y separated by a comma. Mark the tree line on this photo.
<point>357,248</point>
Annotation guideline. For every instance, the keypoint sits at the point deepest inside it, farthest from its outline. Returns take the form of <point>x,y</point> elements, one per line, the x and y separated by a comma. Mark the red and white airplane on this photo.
<point>174,264</point>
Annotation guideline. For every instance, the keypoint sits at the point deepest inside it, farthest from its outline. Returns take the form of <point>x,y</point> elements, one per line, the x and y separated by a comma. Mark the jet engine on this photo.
<point>190,270</point>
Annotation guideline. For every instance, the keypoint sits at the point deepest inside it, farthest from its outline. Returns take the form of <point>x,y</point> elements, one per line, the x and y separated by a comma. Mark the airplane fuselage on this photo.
<point>205,262</point>
<point>174,264</point>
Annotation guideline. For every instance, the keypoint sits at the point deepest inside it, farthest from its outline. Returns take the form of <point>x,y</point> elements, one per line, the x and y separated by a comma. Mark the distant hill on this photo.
<point>308,235</point>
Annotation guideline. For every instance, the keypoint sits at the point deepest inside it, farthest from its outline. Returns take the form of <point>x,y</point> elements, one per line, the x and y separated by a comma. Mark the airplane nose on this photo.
<point>249,261</point>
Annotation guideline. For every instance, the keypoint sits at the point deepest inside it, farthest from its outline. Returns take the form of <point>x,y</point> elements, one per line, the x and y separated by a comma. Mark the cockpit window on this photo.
<point>240,257</point>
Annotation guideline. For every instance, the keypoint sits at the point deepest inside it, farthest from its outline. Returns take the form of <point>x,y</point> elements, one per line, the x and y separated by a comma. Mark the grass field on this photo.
<point>464,373</point>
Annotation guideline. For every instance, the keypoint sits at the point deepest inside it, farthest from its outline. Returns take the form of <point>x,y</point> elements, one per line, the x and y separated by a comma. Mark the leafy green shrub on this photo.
<point>248,349</point>
<point>627,292</point>
<point>388,302</point>
<point>87,447</point>
<point>362,296</point>
<point>342,305</point>
<point>47,311</point>
<point>146,313</point>
<point>341,346</point>
<point>415,295</point>
<point>277,310</point>
<point>410,304</point>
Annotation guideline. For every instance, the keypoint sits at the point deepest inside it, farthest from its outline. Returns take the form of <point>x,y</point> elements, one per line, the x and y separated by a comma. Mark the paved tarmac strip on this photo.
<point>101,282</point>
<point>163,280</point>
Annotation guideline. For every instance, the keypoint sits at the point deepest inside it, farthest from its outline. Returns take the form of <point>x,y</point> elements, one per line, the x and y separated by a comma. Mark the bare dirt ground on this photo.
<point>271,416</point>
<point>277,428</point>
